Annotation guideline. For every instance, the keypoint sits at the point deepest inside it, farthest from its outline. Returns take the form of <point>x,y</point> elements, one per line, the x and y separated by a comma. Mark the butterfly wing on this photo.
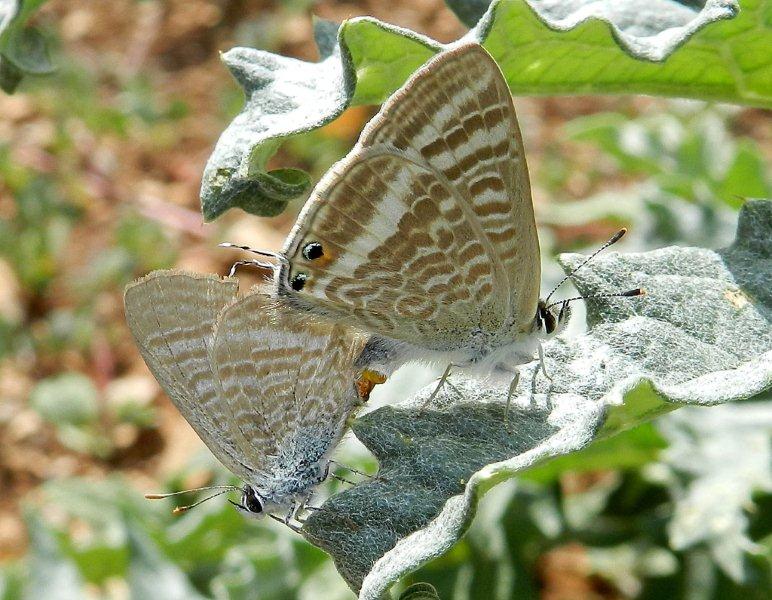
<point>425,232</point>
<point>171,316</point>
<point>288,380</point>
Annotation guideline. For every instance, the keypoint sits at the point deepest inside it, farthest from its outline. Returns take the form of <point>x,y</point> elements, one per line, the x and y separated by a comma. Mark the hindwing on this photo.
<point>425,232</point>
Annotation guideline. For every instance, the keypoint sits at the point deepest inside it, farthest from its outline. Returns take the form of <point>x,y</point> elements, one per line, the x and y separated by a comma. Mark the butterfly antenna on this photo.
<point>181,509</point>
<point>232,488</point>
<point>613,240</point>
<point>627,294</point>
<point>275,255</point>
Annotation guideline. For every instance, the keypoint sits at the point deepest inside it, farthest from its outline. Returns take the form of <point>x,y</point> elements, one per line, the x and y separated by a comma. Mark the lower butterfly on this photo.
<point>268,390</point>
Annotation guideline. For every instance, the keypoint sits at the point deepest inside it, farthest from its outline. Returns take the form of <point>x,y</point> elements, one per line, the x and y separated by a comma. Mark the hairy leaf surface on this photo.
<point>701,336</point>
<point>543,46</point>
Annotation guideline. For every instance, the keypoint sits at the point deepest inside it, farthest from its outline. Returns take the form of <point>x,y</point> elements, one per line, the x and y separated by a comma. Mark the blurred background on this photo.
<point>100,167</point>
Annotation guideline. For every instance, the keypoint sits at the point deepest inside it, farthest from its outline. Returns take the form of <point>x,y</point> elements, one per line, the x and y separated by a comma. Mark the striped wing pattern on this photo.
<point>267,389</point>
<point>171,315</point>
<point>287,380</point>
<point>427,226</point>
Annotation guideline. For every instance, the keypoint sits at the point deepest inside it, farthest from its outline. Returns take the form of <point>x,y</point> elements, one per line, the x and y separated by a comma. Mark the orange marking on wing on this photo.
<point>326,258</point>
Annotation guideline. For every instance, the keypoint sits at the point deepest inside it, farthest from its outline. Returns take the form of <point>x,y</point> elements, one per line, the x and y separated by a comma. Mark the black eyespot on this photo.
<point>298,282</point>
<point>312,251</point>
<point>250,500</point>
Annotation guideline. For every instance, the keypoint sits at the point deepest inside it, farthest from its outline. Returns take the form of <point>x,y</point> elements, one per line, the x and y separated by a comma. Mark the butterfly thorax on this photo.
<point>499,352</point>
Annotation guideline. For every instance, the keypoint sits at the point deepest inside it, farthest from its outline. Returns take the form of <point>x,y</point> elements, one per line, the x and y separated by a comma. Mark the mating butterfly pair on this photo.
<point>423,237</point>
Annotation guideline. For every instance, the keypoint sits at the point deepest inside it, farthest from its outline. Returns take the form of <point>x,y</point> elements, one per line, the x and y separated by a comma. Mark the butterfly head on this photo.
<point>551,319</point>
<point>251,505</point>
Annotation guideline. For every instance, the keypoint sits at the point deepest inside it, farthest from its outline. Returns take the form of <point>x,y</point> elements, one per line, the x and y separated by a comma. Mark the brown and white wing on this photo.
<point>171,316</point>
<point>426,229</point>
<point>284,374</point>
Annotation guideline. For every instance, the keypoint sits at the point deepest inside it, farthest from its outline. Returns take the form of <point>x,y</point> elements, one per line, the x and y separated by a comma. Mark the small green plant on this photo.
<point>87,421</point>
<point>23,48</point>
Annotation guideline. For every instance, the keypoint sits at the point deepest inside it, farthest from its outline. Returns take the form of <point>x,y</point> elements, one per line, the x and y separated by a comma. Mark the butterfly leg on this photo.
<point>343,479</point>
<point>440,383</point>
<point>376,477</point>
<point>352,470</point>
<point>304,506</point>
<point>301,506</point>
<point>251,262</point>
<point>510,395</point>
<point>290,513</point>
<point>286,520</point>
<point>541,361</point>
<point>275,255</point>
<point>453,387</point>
<point>296,509</point>
<point>327,474</point>
<point>543,370</point>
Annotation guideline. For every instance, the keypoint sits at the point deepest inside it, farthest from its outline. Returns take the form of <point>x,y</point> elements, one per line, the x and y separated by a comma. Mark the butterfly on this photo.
<point>424,234</point>
<point>269,391</point>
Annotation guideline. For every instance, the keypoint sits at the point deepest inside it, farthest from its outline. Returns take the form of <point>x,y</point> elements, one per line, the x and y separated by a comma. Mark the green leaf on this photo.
<point>420,591</point>
<point>23,50</point>
<point>469,12</point>
<point>152,575</point>
<point>717,460</point>
<point>279,92</point>
<point>637,46</point>
<point>101,509</point>
<point>630,449</point>
<point>10,76</point>
<point>70,402</point>
<point>746,177</point>
<point>69,398</point>
<point>700,337</point>
<point>51,574</point>
<point>689,153</point>
<point>599,47</point>
<point>285,97</point>
<point>12,579</point>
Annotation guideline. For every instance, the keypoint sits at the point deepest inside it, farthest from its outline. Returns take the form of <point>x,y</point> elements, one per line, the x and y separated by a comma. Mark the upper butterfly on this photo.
<point>424,233</point>
<point>269,391</point>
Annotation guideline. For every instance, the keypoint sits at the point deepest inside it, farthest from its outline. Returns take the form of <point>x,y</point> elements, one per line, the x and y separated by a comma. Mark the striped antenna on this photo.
<point>613,240</point>
<point>181,509</point>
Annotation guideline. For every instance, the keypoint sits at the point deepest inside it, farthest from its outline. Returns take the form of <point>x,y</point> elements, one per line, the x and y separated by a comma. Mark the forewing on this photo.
<point>171,316</point>
<point>284,375</point>
<point>427,226</point>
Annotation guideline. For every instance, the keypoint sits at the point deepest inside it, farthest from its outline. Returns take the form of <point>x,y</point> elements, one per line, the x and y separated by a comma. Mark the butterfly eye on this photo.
<point>298,282</point>
<point>549,321</point>
<point>251,501</point>
<point>312,251</point>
